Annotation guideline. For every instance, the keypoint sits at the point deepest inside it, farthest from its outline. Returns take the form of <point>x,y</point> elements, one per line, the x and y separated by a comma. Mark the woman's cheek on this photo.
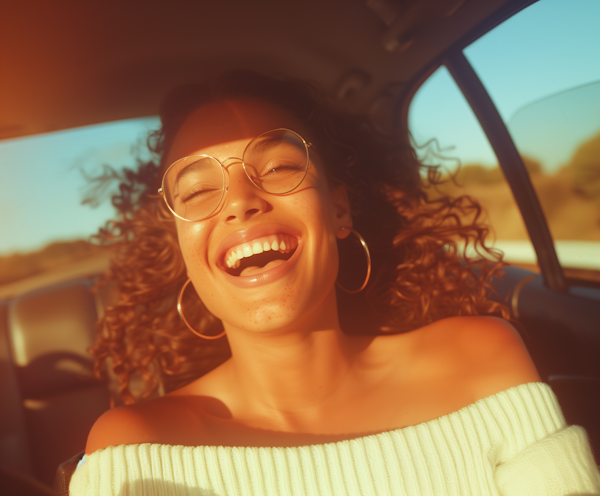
<point>190,237</point>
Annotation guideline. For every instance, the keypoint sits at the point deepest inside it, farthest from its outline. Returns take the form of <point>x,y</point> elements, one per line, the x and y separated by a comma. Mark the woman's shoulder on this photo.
<point>492,351</point>
<point>121,425</point>
<point>477,355</point>
<point>178,417</point>
<point>151,421</point>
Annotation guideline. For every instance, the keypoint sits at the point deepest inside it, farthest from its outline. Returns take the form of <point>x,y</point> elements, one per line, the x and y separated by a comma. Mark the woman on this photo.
<point>407,387</point>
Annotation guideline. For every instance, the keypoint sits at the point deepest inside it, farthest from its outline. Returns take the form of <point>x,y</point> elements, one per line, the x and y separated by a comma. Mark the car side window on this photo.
<point>445,132</point>
<point>565,130</point>
<point>46,225</point>
<point>539,69</point>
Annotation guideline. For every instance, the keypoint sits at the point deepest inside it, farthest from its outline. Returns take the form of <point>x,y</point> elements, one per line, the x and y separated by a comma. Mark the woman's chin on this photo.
<point>289,310</point>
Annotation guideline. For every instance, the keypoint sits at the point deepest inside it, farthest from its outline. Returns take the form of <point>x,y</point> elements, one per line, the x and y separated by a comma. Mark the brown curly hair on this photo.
<point>420,273</point>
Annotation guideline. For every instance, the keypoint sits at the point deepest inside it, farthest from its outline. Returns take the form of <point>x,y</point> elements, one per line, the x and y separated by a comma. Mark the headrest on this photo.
<point>50,331</point>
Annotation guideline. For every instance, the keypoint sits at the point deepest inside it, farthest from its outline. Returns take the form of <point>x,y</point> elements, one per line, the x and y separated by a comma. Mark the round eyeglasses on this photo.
<point>276,162</point>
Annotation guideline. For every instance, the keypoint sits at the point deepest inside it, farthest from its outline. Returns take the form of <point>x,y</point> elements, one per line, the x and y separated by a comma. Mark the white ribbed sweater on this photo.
<point>515,442</point>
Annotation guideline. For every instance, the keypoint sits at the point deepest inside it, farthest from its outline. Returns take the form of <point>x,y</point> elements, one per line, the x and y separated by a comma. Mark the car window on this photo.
<point>45,226</point>
<point>445,132</point>
<point>539,68</point>
<point>564,131</point>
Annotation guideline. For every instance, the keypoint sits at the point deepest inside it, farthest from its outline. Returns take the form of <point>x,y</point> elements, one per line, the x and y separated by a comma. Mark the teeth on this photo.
<point>247,250</point>
<point>257,248</point>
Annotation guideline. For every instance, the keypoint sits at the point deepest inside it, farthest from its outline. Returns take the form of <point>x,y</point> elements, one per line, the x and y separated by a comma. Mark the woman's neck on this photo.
<point>293,376</point>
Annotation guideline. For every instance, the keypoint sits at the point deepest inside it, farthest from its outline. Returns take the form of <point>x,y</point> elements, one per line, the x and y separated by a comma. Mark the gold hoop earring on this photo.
<point>180,310</point>
<point>368,255</point>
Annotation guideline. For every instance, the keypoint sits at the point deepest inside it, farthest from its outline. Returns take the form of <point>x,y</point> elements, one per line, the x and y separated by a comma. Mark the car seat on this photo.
<point>50,398</point>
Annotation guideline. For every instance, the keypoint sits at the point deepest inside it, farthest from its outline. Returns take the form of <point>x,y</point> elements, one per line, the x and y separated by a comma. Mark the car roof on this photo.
<point>68,63</point>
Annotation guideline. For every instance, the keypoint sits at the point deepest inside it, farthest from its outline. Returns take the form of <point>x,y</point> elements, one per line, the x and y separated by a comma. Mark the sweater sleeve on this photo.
<point>560,464</point>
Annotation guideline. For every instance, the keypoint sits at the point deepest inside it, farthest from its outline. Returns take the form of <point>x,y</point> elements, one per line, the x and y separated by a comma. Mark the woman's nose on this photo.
<point>243,200</point>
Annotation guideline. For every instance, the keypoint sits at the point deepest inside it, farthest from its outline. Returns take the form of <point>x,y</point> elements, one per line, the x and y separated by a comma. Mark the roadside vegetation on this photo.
<point>19,266</point>
<point>570,197</point>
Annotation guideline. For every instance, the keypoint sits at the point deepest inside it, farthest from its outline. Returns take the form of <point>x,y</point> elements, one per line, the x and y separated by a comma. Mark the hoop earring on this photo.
<point>368,255</point>
<point>180,310</point>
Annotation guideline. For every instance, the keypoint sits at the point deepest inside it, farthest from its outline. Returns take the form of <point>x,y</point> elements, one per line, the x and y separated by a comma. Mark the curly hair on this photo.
<point>420,272</point>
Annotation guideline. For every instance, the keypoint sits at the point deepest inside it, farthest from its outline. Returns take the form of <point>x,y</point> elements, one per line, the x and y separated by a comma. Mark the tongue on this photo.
<point>250,271</point>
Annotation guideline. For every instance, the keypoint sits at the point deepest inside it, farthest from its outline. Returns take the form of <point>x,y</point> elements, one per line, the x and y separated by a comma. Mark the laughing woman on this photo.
<point>241,253</point>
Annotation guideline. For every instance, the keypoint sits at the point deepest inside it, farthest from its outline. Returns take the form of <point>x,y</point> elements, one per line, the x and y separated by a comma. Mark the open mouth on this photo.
<point>259,255</point>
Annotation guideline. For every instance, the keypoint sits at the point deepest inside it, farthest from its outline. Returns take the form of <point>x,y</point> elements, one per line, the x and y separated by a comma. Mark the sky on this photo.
<point>550,47</point>
<point>43,181</point>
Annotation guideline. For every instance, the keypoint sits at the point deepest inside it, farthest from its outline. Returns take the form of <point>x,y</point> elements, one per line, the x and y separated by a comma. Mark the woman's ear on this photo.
<point>341,210</point>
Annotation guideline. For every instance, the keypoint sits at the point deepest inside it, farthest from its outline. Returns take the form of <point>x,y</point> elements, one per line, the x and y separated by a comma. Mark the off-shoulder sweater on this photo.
<point>515,442</point>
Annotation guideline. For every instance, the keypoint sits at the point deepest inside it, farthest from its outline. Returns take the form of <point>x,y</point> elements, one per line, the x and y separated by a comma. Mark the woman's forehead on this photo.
<point>223,129</point>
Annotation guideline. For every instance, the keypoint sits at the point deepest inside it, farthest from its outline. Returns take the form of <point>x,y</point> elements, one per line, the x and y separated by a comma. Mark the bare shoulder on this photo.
<point>132,424</point>
<point>151,421</point>
<point>121,425</point>
<point>488,351</point>
<point>451,363</point>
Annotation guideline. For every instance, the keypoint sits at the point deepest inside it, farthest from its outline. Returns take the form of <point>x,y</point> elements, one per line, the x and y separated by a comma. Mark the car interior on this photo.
<point>68,64</point>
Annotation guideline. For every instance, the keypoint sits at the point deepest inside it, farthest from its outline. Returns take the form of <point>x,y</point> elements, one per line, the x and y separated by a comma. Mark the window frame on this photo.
<point>509,159</point>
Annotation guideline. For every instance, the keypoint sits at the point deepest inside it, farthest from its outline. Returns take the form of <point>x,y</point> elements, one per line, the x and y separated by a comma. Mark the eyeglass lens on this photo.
<point>275,162</point>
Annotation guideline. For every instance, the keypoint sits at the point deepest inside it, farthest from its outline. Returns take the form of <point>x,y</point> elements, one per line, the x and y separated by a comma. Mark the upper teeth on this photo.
<point>277,242</point>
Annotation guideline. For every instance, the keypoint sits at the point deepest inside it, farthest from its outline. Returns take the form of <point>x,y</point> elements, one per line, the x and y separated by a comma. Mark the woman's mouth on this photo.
<point>259,255</point>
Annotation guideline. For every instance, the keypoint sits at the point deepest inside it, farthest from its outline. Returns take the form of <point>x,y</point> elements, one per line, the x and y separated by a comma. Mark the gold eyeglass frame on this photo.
<point>307,146</point>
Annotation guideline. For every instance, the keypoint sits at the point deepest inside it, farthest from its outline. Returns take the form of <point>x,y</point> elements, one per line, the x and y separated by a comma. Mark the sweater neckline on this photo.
<point>515,389</point>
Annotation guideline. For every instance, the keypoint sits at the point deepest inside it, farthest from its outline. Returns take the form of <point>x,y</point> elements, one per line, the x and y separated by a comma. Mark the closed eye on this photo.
<point>198,193</point>
<point>281,168</point>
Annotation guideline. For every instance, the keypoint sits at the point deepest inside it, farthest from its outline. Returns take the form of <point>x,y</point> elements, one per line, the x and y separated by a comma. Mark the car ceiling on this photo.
<point>67,63</point>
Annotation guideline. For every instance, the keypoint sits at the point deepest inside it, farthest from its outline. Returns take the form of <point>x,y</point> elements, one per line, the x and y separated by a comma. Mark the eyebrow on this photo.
<point>268,143</point>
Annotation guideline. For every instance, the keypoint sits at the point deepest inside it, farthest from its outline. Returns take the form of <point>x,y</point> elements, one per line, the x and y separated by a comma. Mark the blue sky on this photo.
<point>42,182</point>
<point>548,48</point>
